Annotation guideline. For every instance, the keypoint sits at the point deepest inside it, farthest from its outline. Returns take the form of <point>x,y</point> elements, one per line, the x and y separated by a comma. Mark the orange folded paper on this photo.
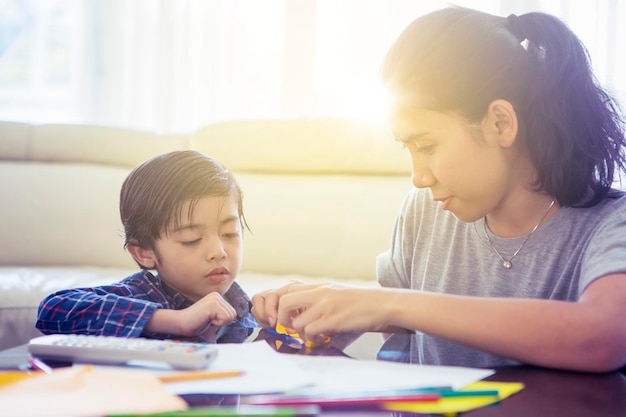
<point>291,332</point>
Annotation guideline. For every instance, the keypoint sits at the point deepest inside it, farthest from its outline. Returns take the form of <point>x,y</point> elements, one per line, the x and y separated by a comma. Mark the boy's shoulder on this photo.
<point>142,277</point>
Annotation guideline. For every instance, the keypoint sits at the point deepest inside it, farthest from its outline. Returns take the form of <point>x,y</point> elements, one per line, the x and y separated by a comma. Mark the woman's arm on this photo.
<point>588,335</point>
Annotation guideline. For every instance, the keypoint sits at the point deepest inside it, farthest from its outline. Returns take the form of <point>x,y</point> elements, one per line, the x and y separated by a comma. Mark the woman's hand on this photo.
<point>316,312</point>
<point>265,303</point>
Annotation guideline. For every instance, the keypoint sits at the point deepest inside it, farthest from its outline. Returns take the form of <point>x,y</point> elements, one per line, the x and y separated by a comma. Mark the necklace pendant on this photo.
<point>507,264</point>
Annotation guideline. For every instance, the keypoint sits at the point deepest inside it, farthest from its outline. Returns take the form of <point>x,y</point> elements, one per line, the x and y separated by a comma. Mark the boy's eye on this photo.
<point>191,242</point>
<point>232,235</point>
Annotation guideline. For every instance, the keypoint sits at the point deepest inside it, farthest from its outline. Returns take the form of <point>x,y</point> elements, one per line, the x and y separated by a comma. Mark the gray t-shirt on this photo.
<point>432,250</point>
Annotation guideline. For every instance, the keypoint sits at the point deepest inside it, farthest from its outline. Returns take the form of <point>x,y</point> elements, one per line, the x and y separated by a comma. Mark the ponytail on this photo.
<point>571,126</point>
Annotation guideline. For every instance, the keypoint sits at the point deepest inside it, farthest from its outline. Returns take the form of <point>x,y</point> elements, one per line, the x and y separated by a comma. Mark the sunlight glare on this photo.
<point>363,98</point>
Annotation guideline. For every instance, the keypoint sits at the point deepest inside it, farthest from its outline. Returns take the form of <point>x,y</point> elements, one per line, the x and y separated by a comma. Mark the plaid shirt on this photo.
<point>123,309</point>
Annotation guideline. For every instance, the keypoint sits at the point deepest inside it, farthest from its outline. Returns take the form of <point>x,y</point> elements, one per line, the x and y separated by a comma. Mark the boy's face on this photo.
<point>204,254</point>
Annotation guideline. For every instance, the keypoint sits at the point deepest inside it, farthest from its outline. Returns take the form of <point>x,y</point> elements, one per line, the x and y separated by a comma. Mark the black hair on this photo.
<point>460,60</point>
<point>154,193</point>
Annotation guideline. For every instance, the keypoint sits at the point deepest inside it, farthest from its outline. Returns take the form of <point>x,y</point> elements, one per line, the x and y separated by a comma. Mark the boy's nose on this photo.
<point>216,251</point>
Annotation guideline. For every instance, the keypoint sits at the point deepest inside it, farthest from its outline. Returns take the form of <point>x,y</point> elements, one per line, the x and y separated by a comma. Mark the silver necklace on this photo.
<point>508,263</point>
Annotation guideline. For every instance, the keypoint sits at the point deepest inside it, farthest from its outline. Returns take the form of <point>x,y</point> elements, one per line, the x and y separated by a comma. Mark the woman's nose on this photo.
<point>421,176</point>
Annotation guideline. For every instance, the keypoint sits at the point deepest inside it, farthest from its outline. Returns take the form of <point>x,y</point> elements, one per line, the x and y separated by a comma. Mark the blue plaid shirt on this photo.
<point>123,309</point>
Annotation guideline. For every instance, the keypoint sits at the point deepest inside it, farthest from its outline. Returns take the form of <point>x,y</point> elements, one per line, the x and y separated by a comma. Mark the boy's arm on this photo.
<point>94,311</point>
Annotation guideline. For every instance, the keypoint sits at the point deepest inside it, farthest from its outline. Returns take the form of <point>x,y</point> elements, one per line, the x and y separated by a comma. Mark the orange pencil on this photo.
<point>191,376</point>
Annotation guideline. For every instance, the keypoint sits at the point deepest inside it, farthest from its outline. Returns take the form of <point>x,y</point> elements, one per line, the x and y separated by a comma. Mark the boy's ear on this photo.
<point>500,123</point>
<point>144,257</point>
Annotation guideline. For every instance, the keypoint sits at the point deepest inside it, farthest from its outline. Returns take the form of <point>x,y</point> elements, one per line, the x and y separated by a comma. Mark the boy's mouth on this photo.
<point>218,275</point>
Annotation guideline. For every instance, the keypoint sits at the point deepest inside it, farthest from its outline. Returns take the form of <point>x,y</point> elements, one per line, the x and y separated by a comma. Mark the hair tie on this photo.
<point>513,24</point>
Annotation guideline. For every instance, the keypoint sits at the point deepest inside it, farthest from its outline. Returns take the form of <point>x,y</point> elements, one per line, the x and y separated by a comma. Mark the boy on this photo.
<point>183,217</point>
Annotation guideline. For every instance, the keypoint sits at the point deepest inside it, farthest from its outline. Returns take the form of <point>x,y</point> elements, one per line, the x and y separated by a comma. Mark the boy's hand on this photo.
<point>211,310</point>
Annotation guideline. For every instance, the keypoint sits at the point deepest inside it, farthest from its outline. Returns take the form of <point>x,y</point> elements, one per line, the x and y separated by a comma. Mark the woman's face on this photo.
<point>463,165</point>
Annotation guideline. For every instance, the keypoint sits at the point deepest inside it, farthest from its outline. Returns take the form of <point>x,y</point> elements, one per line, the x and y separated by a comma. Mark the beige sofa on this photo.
<point>320,196</point>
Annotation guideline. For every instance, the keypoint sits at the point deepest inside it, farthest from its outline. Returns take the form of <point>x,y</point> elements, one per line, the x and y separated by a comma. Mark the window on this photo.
<point>175,65</point>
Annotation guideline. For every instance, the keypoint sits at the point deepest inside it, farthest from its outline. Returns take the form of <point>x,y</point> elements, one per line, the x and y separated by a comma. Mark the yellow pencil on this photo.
<point>190,376</point>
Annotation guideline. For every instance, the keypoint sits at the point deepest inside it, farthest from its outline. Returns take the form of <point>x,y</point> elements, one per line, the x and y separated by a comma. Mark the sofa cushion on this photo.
<point>319,225</point>
<point>304,146</point>
<point>61,214</point>
<point>14,140</point>
<point>102,145</point>
<point>311,225</point>
<point>23,288</point>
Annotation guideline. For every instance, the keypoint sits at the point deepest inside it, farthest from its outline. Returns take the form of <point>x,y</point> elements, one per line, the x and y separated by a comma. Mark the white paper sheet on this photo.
<point>267,371</point>
<point>334,373</point>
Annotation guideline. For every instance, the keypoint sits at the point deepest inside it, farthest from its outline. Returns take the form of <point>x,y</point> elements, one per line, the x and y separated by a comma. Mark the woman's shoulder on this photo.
<point>615,203</point>
<point>610,211</point>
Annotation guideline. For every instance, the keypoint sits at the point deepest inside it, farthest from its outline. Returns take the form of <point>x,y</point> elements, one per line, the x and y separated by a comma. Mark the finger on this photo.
<point>306,323</point>
<point>317,331</point>
<point>262,311</point>
<point>256,310</point>
<point>265,304</point>
<point>222,313</point>
<point>292,306</point>
<point>224,306</point>
<point>271,307</point>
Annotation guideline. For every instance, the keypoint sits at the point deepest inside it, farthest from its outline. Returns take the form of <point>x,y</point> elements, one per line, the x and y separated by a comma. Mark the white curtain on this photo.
<point>172,65</point>
<point>175,65</point>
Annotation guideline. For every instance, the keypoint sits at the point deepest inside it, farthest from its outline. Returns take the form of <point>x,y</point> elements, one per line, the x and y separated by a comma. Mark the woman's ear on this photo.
<point>144,257</point>
<point>500,123</point>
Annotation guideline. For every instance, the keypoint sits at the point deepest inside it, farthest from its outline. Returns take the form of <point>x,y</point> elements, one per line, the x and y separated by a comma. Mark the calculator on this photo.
<point>112,350</point>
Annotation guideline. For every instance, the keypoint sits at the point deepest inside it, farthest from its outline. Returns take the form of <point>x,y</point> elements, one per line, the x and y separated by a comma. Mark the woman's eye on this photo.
<point>232,235</point>
<point>427,149</point>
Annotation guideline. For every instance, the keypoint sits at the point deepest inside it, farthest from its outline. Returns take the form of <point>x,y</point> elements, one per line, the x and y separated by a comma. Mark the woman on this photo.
<point>512,247</point>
